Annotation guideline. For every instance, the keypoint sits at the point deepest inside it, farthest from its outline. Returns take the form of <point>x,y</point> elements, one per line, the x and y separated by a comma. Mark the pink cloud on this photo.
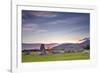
<point>32,28</point>
<point>44,14</point>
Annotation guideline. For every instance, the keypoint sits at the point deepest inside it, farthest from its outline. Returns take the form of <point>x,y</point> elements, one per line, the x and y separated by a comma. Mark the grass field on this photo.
<point>55,57</point>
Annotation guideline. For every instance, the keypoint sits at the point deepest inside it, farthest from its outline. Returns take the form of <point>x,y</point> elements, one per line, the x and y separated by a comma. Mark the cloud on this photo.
<point>44,14</point>
<point>32,28</point>
<point>67,21</point>
<point>86,38</point>
<point>71,24</point>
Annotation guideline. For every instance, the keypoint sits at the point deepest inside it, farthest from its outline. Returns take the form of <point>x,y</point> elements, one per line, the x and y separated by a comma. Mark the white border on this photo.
<point>18,66</point>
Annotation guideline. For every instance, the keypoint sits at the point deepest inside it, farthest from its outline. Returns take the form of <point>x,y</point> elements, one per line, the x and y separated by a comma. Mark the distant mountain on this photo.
<point>49,46</point>
<point>85,42</point>
<point>66,46</point>
<point>28,46</point>
<point>77,46</point>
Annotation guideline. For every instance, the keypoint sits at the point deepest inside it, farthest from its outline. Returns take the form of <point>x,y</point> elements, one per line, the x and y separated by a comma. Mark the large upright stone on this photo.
<point>42,48</point>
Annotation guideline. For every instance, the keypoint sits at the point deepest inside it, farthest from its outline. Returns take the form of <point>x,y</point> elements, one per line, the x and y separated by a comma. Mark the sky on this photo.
<point>54,27</point>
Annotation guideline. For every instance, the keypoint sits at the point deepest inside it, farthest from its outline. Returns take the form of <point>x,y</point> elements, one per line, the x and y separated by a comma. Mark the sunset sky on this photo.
<point>54,27</point>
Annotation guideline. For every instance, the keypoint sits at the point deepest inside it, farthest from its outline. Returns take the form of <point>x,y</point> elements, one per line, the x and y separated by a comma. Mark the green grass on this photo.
<point>55,57</point>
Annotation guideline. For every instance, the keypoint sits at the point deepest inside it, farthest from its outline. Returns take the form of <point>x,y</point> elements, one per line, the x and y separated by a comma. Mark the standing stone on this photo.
<point>42,48</point>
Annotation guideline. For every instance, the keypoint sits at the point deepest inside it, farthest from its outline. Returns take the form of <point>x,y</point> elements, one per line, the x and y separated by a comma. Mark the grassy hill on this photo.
<point>55,57</point>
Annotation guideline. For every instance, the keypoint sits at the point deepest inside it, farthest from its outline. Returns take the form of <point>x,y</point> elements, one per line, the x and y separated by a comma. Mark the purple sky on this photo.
<point>54,27</point>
